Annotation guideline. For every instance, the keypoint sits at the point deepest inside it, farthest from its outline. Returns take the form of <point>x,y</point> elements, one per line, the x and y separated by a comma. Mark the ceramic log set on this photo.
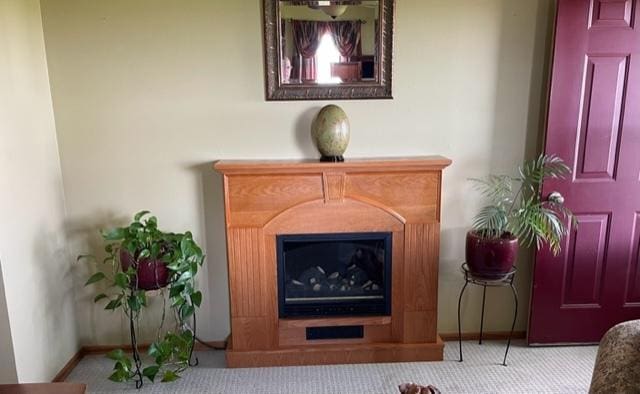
<point>330,131</point>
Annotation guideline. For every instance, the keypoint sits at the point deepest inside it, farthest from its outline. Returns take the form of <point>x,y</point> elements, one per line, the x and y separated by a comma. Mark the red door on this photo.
<point>594,125</point>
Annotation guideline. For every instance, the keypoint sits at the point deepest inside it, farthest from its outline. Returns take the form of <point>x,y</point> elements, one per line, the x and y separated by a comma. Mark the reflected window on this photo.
<point>326,54</point>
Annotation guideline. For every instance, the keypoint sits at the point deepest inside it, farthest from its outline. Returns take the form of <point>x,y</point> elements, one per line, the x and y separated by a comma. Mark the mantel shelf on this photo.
<point>387,164</point>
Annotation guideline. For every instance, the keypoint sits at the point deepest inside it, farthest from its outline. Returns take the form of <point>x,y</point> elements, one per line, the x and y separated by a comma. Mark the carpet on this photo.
<point>530,370</point>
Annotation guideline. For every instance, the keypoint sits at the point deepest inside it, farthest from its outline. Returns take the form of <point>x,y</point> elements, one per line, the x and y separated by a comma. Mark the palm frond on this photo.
<point>491,221</point>
<point>533,172</point>
<point>497,188</point>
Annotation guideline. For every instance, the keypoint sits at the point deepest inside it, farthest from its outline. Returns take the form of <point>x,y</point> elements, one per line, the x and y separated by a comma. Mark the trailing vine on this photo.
<point>127,248</point>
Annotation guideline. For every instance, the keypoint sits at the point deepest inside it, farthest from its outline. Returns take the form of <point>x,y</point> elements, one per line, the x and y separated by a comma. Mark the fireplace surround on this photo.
<point>360,232</point>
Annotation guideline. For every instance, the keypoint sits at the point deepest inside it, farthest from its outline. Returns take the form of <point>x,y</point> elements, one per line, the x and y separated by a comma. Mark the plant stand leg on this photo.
<point>136,355</point>
<point>193,343</point>
<point>466,282</point>
<point>484,296</point>
<point>513,325</point>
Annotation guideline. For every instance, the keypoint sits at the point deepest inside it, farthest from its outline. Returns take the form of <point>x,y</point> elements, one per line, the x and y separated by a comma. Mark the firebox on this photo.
<point>334,274</point>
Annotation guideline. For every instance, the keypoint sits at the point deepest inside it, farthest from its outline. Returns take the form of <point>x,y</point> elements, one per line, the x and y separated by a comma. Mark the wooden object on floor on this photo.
<point>43,388</point>
<point>267,198</point>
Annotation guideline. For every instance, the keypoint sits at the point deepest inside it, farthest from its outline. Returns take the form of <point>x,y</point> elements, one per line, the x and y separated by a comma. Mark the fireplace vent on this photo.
<point>335,332</point>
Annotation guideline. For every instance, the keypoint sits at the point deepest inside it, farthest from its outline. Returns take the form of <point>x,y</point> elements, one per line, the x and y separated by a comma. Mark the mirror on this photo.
<point>328,49</point>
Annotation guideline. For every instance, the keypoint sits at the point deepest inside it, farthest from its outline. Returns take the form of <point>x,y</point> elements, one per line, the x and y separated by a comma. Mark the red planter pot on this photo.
<point>152,273</point>
<point>490,258</point>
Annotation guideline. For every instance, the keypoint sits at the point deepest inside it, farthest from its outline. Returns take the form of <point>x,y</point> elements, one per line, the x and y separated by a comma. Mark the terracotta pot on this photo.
<point>152,273</point>
<point>490,258</point>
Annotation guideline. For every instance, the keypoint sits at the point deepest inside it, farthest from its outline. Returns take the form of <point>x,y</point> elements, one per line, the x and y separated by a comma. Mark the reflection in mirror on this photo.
<point>329,42</point>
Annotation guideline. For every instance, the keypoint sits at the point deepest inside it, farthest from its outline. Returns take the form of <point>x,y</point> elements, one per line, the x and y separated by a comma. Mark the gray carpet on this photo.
<point>530,370</point>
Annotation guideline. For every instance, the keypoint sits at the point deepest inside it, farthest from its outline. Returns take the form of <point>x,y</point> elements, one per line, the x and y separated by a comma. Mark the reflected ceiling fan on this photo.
<point>332,8</point>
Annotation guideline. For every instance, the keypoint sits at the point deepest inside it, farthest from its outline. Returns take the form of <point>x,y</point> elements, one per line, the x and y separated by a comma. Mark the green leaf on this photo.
<point>134,303</point>
<point>123,364</point>
<point>139,215</point>
<point>152,222</point>
<point>151,372</point>
<point>193,268</point>
<point>196,298</point>
<point>121,280</point>
<point>119,376</point>
<point>114,234</point>
<point>185,276</point>
<point>186,311</point>
<point>113,304</point>
<point>99,297</point>
<point>116,354</point>
<point>175,290</point>
<point>170,376</point>
<point>186,246</point>
<point>142,297</point>
<point>155,250</point>
<point>177,301</point>
<point>137,300</point>
<point>187,336</point>
<point>154,350</point>
<point>98,276</point>
<point>144,253</point>
<point>491,221</point>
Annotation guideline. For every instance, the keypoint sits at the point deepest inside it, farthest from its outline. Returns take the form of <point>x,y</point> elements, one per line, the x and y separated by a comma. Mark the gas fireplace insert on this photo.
<point>340,274</point>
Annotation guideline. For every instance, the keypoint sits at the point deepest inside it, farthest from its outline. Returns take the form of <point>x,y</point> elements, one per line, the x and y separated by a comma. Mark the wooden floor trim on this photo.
<point>489,335</point>
<point>69,366</point>
<point>104,349</point>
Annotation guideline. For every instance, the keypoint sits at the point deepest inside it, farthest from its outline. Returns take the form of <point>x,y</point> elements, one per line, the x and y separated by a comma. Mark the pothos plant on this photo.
<point>173,259</point>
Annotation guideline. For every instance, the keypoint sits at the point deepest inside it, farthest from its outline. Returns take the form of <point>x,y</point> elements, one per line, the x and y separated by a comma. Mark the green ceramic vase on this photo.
<point>330,132</point>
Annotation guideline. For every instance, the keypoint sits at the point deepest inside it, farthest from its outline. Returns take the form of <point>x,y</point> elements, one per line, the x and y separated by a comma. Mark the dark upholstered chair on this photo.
<point>617,367</point>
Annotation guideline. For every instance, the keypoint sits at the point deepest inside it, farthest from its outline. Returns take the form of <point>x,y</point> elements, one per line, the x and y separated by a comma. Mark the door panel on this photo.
<point>585,262</point>
<point>593,125</point>
<point>600,117</point>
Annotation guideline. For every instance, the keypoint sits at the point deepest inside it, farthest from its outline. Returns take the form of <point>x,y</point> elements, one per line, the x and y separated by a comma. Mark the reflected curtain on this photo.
<point>307,36</point>
<point>346,36</point>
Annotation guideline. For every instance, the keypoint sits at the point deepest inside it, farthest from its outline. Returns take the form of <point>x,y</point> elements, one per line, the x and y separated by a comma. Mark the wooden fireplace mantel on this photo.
<point>266,198</point>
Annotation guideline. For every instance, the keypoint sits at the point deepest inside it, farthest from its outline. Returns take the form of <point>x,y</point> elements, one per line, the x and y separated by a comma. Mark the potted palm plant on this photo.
<point>139,258</point>
<point>517,214</point>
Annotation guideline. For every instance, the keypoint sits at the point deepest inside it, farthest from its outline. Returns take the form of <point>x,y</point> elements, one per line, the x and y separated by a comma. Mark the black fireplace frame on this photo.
<point>335,308</point>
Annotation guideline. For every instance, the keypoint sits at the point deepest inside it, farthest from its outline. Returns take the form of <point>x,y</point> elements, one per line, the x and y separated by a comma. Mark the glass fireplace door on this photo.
<point>342,274</point>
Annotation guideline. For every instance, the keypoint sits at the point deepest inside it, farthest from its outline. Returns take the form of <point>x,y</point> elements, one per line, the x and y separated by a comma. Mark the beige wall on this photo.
<point>147,93</point>
<point>35,263</point>
<point>7,361</point>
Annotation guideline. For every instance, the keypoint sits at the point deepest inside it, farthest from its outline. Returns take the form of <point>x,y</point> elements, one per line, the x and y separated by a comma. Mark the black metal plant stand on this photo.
<point>137,374</point>
<point>504,281</point>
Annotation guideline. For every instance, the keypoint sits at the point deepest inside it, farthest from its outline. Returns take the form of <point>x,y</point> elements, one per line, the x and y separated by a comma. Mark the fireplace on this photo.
<point>334,274</point>
<point>332,263</point>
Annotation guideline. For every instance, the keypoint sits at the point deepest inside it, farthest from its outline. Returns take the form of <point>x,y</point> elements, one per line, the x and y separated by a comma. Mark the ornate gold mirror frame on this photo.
<point>379,88</point>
